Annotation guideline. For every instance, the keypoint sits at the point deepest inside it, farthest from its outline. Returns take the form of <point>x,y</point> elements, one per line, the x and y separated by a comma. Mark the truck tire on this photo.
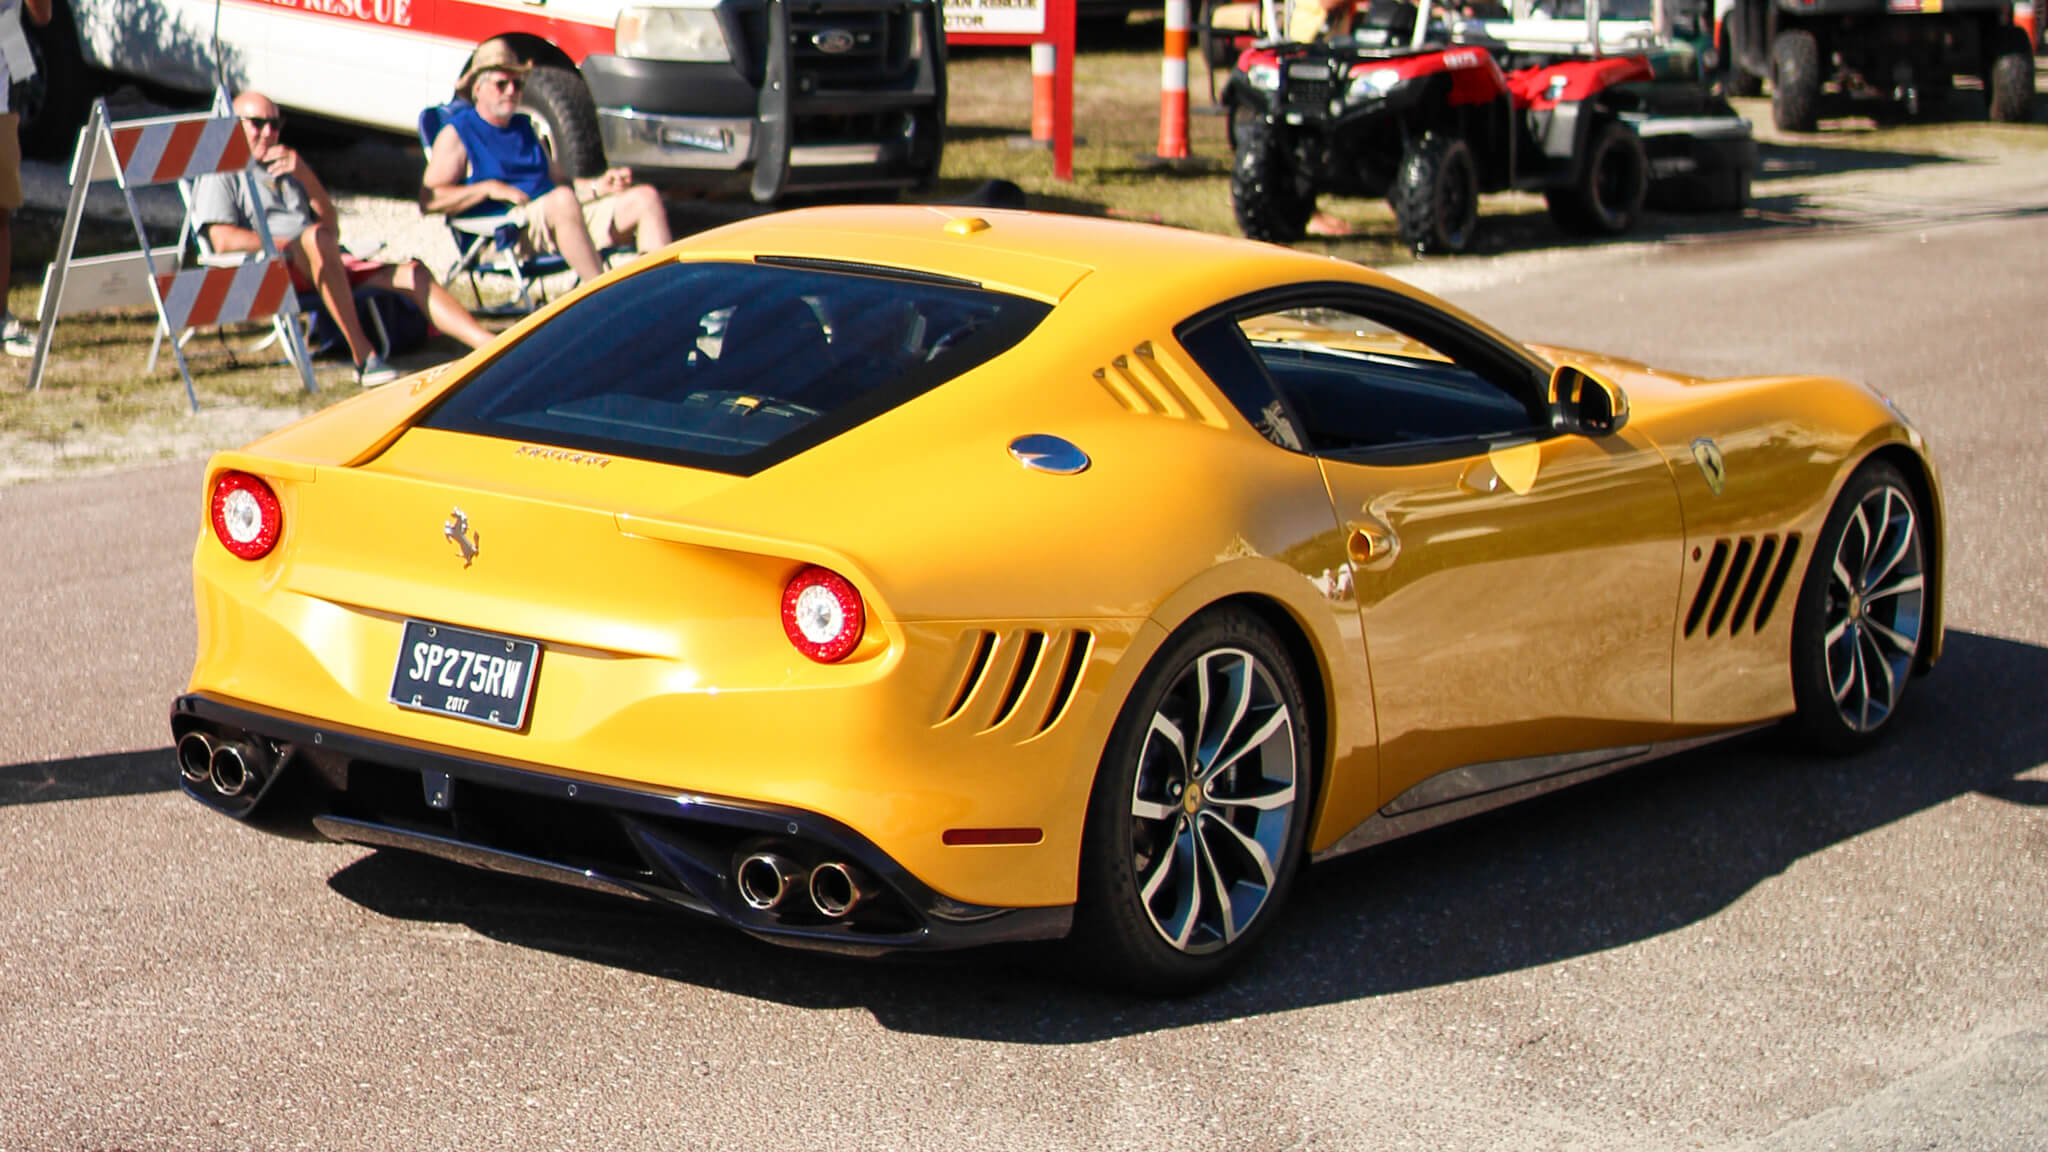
<point>2009,76</point>
<point>565,119</point>
<point>54,102</point>
<point>1273,201</point>
<point>1436,195</point>
<point>1608,197</point>
<point>1795,81</point>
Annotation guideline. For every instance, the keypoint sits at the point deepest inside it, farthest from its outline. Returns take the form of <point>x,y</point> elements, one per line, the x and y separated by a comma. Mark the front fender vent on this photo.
<point>1740,585</point>
<point>1016,682</point>
<point>1152,384</point>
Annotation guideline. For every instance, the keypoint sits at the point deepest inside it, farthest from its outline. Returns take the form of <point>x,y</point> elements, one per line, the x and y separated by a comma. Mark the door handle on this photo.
<point>1372,543</point>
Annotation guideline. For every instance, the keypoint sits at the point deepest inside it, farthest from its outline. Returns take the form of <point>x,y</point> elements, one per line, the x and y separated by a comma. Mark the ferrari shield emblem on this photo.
<point>1707,455</point>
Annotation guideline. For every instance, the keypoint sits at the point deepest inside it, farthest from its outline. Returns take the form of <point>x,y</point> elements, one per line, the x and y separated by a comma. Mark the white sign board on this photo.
<point>1004,17</point>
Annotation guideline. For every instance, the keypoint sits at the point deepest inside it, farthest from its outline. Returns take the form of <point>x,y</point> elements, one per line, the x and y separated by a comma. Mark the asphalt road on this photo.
<point>1735,949</point>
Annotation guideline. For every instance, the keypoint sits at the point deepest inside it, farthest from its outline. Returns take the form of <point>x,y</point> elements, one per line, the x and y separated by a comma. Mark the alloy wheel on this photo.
<point>1876,590</point>
<point>1213,802</point>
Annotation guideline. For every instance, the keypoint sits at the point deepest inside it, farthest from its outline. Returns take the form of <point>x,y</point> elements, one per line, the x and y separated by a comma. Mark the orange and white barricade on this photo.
<point>163,150</point>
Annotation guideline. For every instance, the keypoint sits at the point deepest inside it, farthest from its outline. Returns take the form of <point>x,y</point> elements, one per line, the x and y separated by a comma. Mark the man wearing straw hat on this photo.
<point>488,151</point>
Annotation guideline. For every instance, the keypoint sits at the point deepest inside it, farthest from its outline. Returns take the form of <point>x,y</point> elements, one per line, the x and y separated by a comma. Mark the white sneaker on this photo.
<point>374,371</point>
<point>17,340</point>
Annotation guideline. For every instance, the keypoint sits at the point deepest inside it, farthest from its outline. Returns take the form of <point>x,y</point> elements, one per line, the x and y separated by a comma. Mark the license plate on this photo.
<point>468,675</point>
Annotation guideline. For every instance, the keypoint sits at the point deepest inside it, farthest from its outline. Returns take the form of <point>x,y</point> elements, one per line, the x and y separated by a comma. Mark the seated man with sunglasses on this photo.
<point>488,151</point>
<point>304,227</point>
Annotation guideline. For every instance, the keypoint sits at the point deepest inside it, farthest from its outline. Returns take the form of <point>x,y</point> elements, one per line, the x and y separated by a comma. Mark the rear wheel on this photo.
<point>2009,78</point>
<point>1436,195</point>
<point>1795,81</point>
<point>565,119</point>
<point>1608,199</point>
<point>1272,199</point>
<point>1200,809</point>
<point>1861,612</point>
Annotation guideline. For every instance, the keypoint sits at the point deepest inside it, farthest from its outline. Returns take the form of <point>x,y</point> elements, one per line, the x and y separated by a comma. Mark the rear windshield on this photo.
<point>730,366</point>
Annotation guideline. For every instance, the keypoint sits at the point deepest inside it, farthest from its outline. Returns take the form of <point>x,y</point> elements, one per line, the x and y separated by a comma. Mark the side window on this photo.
<point>1354,384</point>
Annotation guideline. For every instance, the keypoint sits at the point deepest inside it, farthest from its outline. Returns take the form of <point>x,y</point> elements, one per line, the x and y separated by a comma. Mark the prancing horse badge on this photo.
<point>456,528</point>
<point>1707,455</point>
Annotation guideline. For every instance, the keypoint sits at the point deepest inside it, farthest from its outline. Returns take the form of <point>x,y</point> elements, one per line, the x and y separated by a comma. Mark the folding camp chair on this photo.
<point>488,238</point>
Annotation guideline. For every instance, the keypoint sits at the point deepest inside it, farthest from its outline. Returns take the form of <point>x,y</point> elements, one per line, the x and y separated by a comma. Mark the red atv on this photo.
<point>1433,127</point>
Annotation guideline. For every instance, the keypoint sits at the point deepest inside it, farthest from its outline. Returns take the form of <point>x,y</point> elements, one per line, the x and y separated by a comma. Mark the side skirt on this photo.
<point>1456,793</point>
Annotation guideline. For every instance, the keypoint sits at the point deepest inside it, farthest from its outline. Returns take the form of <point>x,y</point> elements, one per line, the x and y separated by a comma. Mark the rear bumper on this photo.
<point>679,849</point>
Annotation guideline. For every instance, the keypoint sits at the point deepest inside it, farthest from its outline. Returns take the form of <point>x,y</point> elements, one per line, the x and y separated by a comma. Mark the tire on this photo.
<point>565,119</point>
<point>2009,78</point>
<point>1272,200</point>
<point>1613,182</point>
<point>1436,195</point>
<point>1795,81</point>
<point>1176,816</point>
<point>53,104</point>
<point>1861,612</point>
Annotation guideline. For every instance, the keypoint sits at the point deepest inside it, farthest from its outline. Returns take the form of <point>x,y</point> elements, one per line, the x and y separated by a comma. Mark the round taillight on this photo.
<point>822,614</point>
<point>246,515</point>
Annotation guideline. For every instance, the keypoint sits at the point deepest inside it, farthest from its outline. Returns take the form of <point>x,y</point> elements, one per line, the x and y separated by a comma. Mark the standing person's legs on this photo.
<point>441,307</point>
<point>16,339</point>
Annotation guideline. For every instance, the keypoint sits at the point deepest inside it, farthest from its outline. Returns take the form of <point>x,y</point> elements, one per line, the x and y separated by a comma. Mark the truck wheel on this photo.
<point>1436,195</point>
<point>1273,201</point>
<point>2009,81</point>
<point>1795,81</point>
<point>1608,199</point>
<point>54,102</point>
<point>565,119</point>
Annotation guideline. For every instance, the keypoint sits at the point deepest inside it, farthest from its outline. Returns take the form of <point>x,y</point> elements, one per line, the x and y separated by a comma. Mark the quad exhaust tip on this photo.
<point>195,757</point>
<point>232,768</point>
<point>766,878</point>
<point>837,889</point>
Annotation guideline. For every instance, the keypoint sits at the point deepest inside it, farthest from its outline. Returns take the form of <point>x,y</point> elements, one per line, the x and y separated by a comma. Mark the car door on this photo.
<point>1516,585</point>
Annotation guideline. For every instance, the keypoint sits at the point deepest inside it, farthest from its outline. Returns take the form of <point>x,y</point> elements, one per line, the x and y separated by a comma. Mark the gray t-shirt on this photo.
<point>223,198</point>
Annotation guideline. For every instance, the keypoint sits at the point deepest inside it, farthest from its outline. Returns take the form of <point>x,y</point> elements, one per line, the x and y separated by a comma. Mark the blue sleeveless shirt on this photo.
<point>511,153</point>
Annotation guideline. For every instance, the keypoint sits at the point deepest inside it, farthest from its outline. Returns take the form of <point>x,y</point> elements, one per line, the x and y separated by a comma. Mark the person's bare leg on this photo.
<point>441,307</point>
<point>640,214</point>
<point>317,252</point>
<point>564,214</point>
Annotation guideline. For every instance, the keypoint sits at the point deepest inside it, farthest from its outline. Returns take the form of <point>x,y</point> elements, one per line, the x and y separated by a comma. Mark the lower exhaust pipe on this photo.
<point>233,768</point>
<point>765,878</point>
<point>837,889</point>
<point>195,757</point>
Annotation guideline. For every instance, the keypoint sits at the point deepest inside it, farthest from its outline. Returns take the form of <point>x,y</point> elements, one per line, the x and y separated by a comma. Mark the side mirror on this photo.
<point>1583,402</point>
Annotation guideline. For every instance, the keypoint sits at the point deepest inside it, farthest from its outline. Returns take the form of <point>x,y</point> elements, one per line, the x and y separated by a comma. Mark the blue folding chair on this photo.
<point>487,239</point>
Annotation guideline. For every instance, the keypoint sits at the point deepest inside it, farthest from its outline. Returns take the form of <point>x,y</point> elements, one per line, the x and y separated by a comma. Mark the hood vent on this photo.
<point>1741,584</point>
<point>1020,682</point>
<point>1148,384</point>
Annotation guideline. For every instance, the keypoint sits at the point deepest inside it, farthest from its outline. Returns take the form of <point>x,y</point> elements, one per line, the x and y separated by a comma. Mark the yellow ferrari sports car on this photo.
<point>914,577</point>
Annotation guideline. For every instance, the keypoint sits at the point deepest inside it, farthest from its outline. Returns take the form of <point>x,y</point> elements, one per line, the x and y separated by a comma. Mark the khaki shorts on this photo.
<point>597,217</point>
<point>10,161</point>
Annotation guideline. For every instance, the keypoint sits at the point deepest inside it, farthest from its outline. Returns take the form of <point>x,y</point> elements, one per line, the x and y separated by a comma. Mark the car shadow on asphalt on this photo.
<point>89,777</point>
<point>1610,863</point>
